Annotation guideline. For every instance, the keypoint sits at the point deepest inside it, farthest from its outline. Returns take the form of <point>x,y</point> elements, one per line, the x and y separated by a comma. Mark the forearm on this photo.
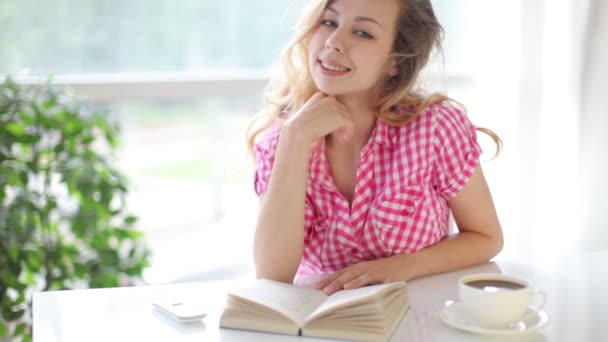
<point>458,251</point>
<point>279,236</point>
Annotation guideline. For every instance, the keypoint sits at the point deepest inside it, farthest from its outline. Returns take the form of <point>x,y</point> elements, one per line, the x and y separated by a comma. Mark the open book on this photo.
<point>367,313</point>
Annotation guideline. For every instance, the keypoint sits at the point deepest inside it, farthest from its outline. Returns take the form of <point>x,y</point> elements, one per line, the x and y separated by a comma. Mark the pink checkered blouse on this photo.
<point>405,177</point>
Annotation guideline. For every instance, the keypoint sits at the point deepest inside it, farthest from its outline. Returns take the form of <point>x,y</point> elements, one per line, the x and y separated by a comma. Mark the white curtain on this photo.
<point>551,115</point>
<point>594,130</point>
<point>563,103</point>
<point>540,82</point>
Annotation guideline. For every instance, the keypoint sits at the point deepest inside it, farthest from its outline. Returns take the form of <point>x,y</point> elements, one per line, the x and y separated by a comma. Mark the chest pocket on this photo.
<point>397,219</point>
<point>318,228</point>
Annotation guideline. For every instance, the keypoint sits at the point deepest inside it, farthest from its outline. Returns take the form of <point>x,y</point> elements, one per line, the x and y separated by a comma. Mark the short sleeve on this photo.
<point>456,150</point>
<point>265,151</point>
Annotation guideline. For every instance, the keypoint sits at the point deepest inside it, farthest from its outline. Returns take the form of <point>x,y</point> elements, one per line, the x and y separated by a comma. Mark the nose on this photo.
<point>336,41</point>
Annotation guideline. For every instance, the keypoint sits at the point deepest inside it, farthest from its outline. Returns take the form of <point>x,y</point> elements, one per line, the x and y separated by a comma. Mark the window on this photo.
<point>74,37</point>
<point>191,183</point>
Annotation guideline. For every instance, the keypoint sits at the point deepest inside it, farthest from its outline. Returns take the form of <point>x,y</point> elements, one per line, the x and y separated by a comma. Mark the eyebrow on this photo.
<point>334,11</point>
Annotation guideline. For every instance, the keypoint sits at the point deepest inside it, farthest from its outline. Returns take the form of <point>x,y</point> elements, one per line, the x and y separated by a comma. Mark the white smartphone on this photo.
<point>182,312</point>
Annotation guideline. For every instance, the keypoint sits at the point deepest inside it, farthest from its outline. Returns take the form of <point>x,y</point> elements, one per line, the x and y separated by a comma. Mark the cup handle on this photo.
<point>543,299</point>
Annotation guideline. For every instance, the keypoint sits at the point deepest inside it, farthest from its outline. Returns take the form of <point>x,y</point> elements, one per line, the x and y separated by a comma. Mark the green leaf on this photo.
<point>27,118</point>
<point>6,170</point>
<point>20,287</point>
<point>21,298</point>
<point>18,314</point>
<point>11,314</point>
<point>50,103</point>
<point>3,329</point>
<point>87,140</point>
<point>13,179</point>
<point>34,262</point>
<point>15,129</point>
<point>13,252</point>
<point>73,127</point>
<point>60,115</point>
<point>27,139</point>
<point>108,280</point>
<point>114,143</point>
<point>80,270</point>
<point>23,177</point>
<point>29,278</point>
<point>136,234</point>
<point>19,329</point>
<point>130,219</point>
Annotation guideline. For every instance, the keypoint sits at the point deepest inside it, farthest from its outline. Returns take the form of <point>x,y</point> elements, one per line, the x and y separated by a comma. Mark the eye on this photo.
<point>328,22</point>
<point>364,34</point>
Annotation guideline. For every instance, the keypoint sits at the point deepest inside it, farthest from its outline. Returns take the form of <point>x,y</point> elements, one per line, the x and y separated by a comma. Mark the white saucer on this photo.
<point>452,315</point>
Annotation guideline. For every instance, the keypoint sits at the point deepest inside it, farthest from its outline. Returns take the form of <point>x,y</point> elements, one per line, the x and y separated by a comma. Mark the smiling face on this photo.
<point>349,52</point>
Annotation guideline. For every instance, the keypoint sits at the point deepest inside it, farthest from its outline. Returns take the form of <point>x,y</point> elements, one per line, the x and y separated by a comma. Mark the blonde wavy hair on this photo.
<point>418,35</point>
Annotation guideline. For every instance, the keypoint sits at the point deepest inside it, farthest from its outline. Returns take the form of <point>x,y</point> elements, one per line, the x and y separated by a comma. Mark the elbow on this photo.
<point>276,275</point>
<point>496,243</point>
<point>275,264</point>
<point>272,270</point>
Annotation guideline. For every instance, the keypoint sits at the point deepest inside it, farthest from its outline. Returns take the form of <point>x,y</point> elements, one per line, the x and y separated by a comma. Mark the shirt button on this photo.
<point>405,212</point>
<point>354,251</point>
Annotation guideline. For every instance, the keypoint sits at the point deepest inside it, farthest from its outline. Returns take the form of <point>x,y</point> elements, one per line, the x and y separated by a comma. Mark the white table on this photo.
<point>577,305</point>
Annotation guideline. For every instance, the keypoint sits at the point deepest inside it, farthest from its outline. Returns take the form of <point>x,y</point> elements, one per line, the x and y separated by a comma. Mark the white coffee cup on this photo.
<point>496,300</point>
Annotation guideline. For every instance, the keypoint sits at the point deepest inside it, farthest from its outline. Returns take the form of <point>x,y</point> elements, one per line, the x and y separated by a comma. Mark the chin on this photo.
<point>331,90</point>
<point>331,93</point>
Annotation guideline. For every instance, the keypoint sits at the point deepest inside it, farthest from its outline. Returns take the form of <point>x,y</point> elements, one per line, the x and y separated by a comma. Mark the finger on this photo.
<point>339,121</point>
<point>343,107</point>
<point>340,106</point>
<point>327,280</point>
<point>359,281</point>
<point>338,284</point>
<point>346,119</point>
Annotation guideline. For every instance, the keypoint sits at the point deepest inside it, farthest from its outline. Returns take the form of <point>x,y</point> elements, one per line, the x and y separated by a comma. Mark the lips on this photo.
<point>331,68</point>
<point>332,65</point>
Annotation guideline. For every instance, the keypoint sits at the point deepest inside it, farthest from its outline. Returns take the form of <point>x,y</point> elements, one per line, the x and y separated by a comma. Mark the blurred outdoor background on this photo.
<point>184,78</point>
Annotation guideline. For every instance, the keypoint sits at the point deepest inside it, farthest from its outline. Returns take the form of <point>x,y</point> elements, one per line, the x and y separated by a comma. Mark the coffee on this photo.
<point>494,300</point>
<point>493,285</point>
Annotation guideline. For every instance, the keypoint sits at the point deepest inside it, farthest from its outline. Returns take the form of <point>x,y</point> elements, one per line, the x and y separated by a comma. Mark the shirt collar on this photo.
<point>384,134</point>
<point>318,169</point>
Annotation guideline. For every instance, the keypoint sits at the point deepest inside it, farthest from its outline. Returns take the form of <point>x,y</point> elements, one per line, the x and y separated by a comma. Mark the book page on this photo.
<point>368,314</point>
<point>347,297</point>
<point>292,301</point>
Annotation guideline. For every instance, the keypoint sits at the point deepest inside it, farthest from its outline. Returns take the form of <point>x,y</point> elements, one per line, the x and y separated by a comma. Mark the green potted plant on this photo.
<point>63,218</point>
